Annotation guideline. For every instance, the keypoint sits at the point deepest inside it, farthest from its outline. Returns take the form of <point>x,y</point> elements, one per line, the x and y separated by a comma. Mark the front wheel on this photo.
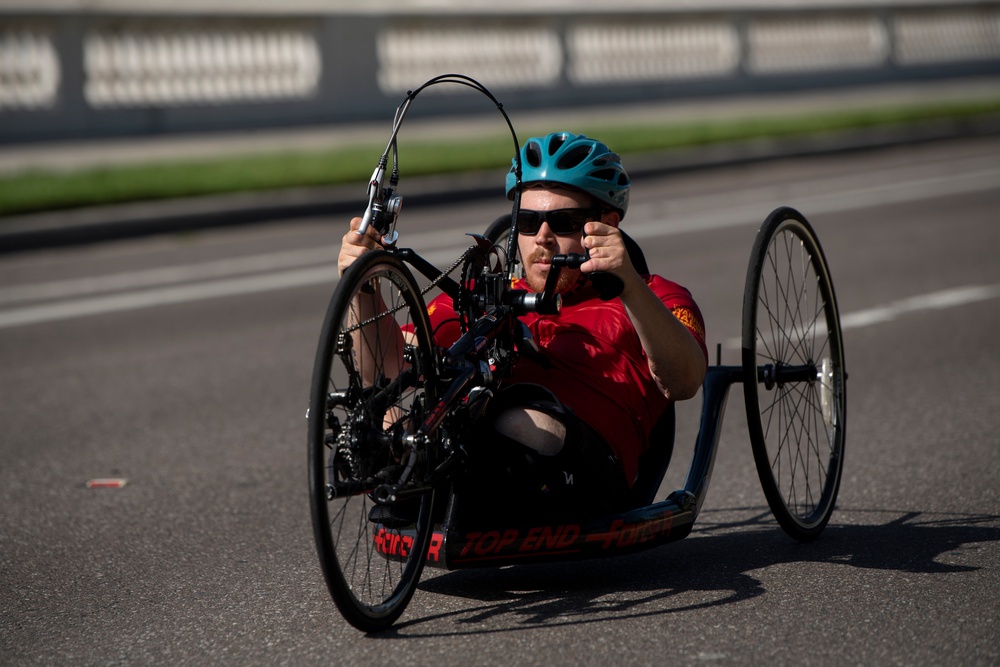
<point>794,380</point>
<point>373,380</point>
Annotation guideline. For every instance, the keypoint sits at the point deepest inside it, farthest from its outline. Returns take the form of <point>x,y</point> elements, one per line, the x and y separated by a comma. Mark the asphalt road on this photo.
<point>181,364</point>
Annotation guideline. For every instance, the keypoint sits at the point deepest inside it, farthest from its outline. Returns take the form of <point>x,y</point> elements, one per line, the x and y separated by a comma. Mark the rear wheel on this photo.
<point>373,380</point>
<point>794,375</point>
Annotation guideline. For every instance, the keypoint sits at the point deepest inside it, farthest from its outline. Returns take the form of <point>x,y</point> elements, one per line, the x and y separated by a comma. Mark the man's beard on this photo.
<point>567,277</point>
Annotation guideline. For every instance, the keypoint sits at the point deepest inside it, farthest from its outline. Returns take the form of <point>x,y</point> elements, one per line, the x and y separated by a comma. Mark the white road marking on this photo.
<point>958,296</point>
<point>273,271</point>
<point>163,296</point>
<point>831,200</point>
<point>210,289</point>
<point>949,298</point>
<point>131,280</point>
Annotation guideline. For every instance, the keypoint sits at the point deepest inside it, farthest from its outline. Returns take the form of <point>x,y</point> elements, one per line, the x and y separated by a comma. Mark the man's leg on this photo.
<point>532,428</point>
<point>545,458</point>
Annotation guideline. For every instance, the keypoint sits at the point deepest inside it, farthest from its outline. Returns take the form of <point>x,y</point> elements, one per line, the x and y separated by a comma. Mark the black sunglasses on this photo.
<point>563,221</point>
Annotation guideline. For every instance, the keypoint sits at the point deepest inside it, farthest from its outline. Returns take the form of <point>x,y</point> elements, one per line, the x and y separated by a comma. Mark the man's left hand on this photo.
<point>607,250</point>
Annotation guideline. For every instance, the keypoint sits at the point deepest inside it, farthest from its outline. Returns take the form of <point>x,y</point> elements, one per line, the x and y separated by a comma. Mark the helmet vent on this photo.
<point>556,142</point>
<point>609,175</point>
<point>574,157</point>
<point>533,152</point>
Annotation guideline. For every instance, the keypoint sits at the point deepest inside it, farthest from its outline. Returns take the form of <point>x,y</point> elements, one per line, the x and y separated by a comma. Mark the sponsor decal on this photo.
<point>564,539</point>
<point>393,543</point>
<point>622,534</point>
<point>514,543</point>
<point>399,544</point>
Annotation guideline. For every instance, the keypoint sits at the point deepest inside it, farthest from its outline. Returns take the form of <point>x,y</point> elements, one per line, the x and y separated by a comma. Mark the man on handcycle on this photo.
<point>568,426</point>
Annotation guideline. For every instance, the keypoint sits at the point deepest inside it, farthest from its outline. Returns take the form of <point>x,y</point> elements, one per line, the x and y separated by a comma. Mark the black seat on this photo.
<point>653,462</point>
<point>635,254</point>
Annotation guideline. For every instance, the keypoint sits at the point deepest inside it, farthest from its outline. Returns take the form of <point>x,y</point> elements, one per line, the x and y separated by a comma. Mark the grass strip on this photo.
<point>36,191</point>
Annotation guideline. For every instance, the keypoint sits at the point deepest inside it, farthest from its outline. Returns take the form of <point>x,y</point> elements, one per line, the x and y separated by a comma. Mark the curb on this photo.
<point>106,223</point>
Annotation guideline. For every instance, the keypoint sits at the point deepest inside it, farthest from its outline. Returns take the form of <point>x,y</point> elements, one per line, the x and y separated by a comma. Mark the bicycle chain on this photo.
<point>458,262</point>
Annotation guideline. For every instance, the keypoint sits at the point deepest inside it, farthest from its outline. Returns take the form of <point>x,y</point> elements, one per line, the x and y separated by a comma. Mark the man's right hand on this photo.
<point>353,245</point>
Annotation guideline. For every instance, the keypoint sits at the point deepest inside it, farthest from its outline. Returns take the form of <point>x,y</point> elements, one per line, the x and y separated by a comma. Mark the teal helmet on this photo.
<point>575,161</point>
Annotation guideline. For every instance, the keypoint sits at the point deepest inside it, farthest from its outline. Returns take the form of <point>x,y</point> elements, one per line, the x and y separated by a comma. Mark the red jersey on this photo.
<point>597,365</point>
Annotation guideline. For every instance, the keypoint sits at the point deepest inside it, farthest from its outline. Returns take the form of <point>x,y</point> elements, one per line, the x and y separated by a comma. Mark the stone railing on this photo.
<point>74,74</point>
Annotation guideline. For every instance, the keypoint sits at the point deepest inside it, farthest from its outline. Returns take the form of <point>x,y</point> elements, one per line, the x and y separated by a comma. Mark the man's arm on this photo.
<point>378,345</point>
<point>675,358</point>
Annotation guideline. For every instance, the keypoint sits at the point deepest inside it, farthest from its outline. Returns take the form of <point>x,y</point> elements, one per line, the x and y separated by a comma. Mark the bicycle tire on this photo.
<point>371,569</point>
<point>498,233</point>
<point>794,377</point>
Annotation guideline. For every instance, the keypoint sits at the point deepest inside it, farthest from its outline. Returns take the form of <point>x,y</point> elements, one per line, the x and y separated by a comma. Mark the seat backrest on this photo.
<point>635,254</point>
<point>653,462</point>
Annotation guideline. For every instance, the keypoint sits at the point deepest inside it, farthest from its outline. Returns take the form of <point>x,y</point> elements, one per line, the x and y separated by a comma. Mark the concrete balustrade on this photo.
<point>77,72</point>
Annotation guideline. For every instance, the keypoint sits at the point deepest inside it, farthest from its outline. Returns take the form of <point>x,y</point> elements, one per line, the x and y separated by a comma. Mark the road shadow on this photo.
<point>709,568</point>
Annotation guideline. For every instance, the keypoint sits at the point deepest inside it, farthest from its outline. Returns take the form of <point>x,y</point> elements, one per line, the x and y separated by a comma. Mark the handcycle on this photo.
<point>393,418</point>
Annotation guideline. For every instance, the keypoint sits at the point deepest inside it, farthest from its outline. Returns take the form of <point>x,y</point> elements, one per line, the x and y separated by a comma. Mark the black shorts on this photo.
<point>584,479</point>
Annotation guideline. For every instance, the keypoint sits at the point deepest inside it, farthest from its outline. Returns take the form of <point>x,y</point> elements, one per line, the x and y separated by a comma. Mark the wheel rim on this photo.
<point>371,567</point>
<point>796,327</point>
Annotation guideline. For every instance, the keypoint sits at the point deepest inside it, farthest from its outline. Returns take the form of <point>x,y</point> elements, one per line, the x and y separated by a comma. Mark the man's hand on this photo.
<point>607,251</point>
<point>354,245</point>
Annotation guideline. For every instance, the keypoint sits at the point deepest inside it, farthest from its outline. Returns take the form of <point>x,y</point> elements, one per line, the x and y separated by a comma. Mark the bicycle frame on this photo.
<point>459,545</point>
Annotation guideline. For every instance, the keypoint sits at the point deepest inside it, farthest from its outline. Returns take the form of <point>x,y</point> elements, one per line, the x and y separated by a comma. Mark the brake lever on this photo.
<point>383,206</point>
